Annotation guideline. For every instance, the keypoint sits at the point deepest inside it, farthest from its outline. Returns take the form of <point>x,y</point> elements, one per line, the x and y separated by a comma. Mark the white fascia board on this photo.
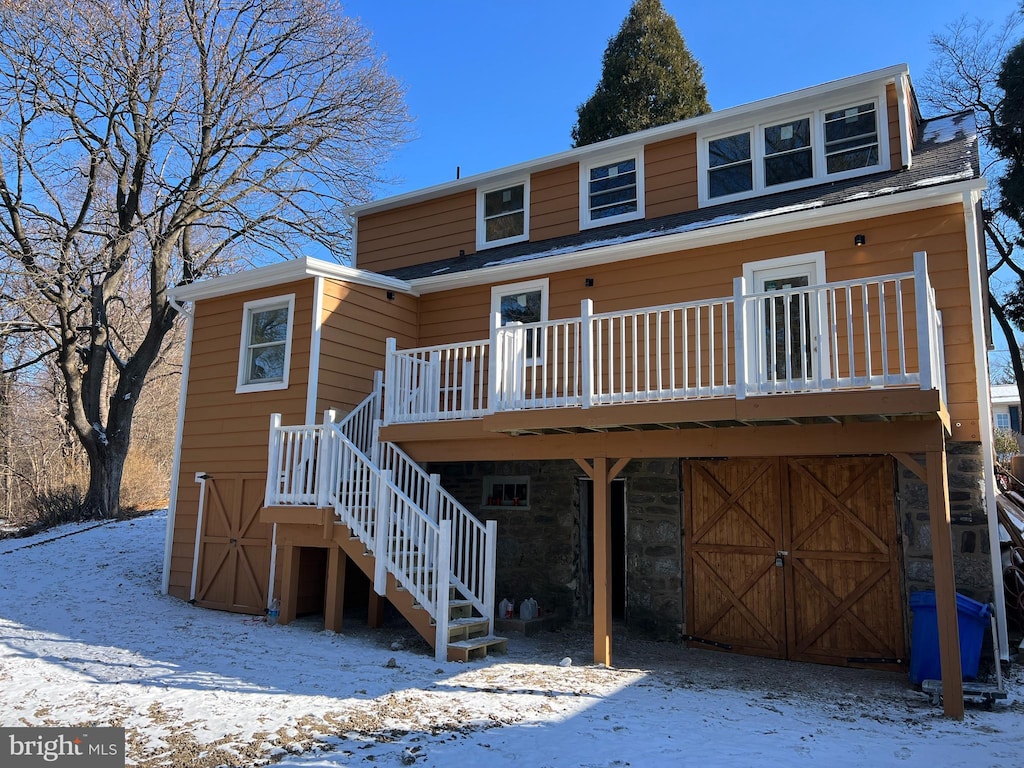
<point>285,272</point>
<point>756,227</point>
<point>630,141</point>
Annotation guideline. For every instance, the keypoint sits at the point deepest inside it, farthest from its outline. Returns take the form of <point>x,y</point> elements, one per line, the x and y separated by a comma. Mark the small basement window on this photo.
<point>506,491</point>
<point>263,359</point>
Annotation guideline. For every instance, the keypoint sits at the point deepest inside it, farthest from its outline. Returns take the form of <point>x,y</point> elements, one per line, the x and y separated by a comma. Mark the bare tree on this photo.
<point>155,139</point>
<point>969,57</point>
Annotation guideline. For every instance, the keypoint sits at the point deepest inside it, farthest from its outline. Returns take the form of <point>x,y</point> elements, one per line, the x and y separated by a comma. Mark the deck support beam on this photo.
<point>289,583</point>
<point>602,472</point>
<point>375,609</point>
<point>945,582</point>
<point>334,597</point>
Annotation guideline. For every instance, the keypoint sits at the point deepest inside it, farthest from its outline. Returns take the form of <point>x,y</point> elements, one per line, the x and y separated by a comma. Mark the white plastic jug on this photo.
<point>505,609</point>
<point>528,609</point>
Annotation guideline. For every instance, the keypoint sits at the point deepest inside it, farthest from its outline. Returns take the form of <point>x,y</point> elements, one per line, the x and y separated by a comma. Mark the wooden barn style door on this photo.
<point>795,558</point>
<point>234,546</point>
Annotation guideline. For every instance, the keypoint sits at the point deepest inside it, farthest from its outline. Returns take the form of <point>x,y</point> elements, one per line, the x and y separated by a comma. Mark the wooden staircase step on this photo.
<point>468,628</point>
<point>476,648</point>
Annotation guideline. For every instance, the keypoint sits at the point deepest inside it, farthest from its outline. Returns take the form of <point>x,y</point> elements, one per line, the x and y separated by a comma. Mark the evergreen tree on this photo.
<point>649,78</point>
<point>1007,134</point>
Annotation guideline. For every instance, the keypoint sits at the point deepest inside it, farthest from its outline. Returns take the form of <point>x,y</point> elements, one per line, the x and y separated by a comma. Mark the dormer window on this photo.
<point>729,166</point>
<point>789,151</point>
<point>851,138</point>
<point>503,215</point>
<point>611,190</point>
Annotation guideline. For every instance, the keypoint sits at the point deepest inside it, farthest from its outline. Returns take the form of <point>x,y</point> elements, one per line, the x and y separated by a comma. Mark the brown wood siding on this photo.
<point>357,321</point>
<point>895,129</point>
<point>417,234</point>
<point>555,202</point>
<point>670,176</point>
<point>462,315</point>
<point>224,432</point>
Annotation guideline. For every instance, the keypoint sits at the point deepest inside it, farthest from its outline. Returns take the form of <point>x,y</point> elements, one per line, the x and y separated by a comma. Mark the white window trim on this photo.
<point>527,286</point>
<point>817,118</point>
<point>481,232</point>
<point>782,265</point>
<point>608,159</point>
<point>248,309</point>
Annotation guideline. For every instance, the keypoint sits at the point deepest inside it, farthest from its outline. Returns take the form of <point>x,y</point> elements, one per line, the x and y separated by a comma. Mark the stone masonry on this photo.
<point>965,467</point>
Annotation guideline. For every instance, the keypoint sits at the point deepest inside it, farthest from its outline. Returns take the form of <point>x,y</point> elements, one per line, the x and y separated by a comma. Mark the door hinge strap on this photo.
<point>874,660</point>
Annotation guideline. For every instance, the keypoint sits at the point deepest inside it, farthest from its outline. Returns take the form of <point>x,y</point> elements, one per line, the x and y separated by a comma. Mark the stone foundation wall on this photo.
<point>654,550</point>
<point>539,551</point>
<point>538,546</point>
<point>965,467</point>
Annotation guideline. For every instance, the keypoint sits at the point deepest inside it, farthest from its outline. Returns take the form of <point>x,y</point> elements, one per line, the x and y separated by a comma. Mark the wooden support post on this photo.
<point>602,475</point>
<point>334,597</point>
<point>945,583</point>
<point>602,564</point>
<point>289,583</point>
<point>375,612</point>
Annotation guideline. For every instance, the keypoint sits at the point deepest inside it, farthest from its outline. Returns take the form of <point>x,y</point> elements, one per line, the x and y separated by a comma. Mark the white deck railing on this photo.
<point>871,333</point>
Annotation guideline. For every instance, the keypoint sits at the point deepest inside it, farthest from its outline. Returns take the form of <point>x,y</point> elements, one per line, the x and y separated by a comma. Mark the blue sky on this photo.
<point>492,83</point>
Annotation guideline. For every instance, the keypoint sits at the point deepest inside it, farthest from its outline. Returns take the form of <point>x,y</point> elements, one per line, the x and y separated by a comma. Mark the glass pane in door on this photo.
<point>787,329</point>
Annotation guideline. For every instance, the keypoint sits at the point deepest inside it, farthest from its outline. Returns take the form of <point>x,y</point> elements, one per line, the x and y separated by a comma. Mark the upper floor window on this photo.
<point>503,215</point>
<point>730,169</point>
<point>851,138</point>
<point>611,191</point>
<point>266,344</point>
<point>787,152</point>
<point>793,152</point>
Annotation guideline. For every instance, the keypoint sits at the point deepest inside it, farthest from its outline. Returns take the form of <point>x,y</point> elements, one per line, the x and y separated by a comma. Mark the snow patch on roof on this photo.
<point>945,129</point>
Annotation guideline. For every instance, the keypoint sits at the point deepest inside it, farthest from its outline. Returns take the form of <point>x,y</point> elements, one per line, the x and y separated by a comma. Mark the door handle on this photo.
<point>780,558</point>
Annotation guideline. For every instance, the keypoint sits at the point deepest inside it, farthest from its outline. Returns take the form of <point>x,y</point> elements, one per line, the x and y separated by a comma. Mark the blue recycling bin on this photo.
<point>972,619</point>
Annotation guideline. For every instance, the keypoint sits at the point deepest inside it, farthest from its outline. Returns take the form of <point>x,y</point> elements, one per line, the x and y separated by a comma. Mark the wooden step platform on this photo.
<point>476,648</point>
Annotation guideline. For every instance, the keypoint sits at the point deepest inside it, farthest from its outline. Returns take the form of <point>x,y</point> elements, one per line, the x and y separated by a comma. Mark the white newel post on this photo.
<point>586,352</point>
<point>925,331</point>
<point>382,534</point>
<point>739,289</point>
<point>325,459</point>
<point>442,578</point>
<point>490,570</point>
<point>390,385</point>
<point>273,460</point>
<point>494,371</point>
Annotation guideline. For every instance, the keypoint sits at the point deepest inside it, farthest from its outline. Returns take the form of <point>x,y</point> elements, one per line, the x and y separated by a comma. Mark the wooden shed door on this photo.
<point>234,547</point>
<point>843,569</point>
<point>795,558</point>
<point>734,592</point>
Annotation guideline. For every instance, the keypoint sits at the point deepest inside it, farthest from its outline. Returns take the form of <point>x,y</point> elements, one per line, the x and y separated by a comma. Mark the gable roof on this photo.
<point>945,162</point>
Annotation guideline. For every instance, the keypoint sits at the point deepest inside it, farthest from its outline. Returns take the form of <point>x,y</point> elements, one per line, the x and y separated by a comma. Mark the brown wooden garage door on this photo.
<point>234,546</point>
<point>795,558</point>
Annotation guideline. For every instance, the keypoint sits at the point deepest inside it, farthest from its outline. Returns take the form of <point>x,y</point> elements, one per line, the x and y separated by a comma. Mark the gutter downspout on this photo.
<point>172,503</point>
<point>971,199</point>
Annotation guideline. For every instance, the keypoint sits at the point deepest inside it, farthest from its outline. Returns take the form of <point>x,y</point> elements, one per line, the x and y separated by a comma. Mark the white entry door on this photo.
<point>786,330</point>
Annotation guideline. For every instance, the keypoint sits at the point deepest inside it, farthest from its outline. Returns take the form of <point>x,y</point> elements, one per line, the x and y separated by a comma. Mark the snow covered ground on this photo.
<point>86,639</point>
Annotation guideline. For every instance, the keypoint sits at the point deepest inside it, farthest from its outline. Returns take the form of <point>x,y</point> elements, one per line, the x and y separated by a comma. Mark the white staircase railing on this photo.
<point>416,530</point>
